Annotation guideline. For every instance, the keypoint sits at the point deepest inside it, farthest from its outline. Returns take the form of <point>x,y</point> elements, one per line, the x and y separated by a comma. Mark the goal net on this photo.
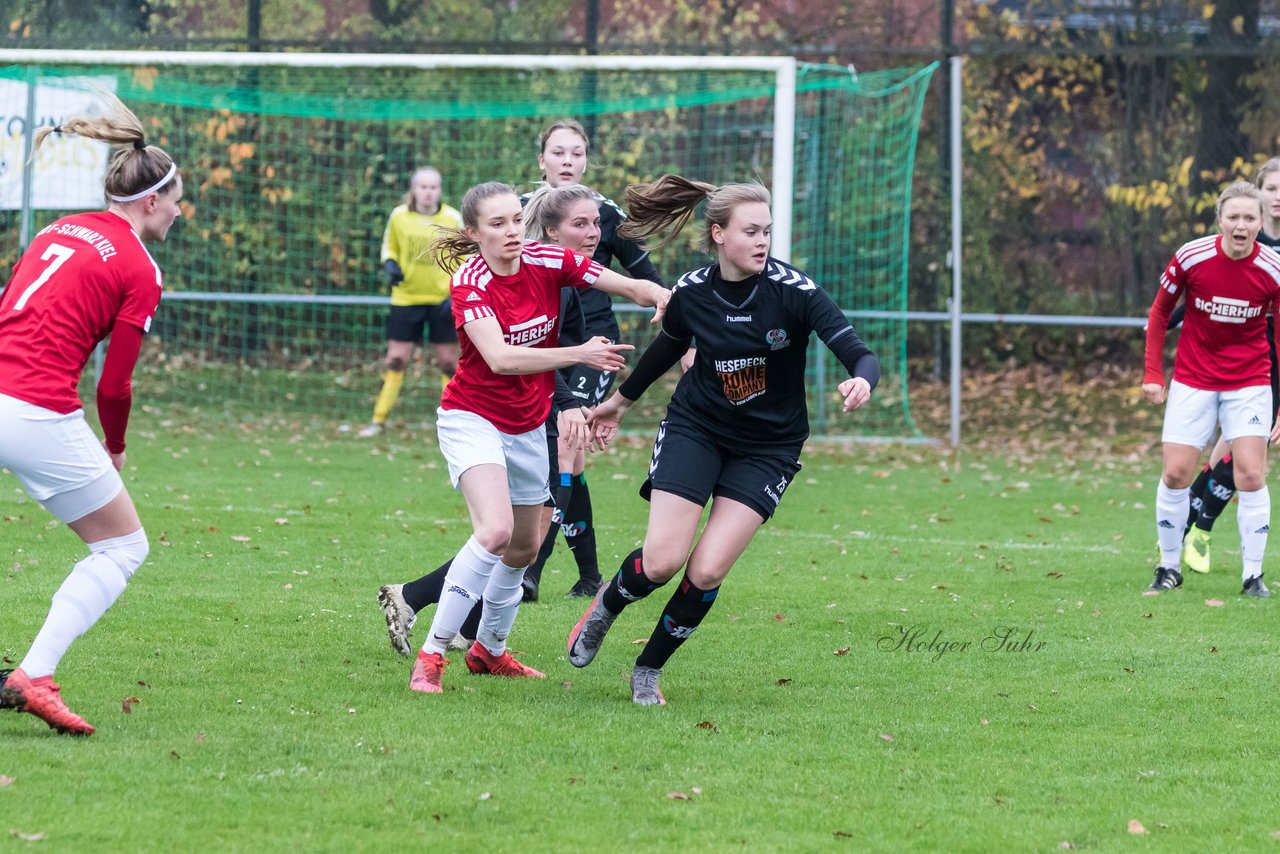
<point>292,162</point>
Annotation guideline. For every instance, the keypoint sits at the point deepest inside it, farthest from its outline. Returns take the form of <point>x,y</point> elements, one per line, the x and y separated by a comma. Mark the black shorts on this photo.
<point>406,323</point>
<point>589,385</point>
<point>689,462</point>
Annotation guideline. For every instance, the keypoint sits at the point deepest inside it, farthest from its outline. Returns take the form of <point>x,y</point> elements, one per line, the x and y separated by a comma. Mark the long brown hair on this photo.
<point>453,245</point>
<point>668,204</point>
<point>132,168</point>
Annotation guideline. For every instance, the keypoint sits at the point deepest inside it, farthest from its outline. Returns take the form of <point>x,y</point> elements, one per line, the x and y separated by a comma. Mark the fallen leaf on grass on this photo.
<point>701,725</point>
<point>484,796</point>
<point>280,520</point>
<point>840,834</point>
<point>844,650</point>
<point>779,617</point>
<point>1064,844</point>
<point>199,738</point>
<point>1054,574</point>
<point>6,781</point>
<point>27,837</point>
<point>1213,649</point>
<point>173,754</point>
<point>1136,827</point>
<point>677,796</point>
<point>1150,592</point>
<point>566,685</point>
<point>984,721</point>
<point>1214,603</point>
<point>126,705</point>
<point>887,736</point>
<point>639,641</point>
<point>1146,616</point>
<point>785,680</point>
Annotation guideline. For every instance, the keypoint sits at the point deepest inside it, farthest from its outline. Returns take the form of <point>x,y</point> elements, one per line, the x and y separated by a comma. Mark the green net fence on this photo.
<point>274,301</point>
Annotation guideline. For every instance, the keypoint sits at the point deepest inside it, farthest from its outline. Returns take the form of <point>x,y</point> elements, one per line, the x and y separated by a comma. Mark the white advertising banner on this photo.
<point>68,170</point>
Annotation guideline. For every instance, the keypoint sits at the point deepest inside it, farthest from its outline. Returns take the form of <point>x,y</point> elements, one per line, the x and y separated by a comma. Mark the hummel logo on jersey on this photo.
<point>1255,420</point>
<point>1264,529</point>
<point>1165,523</point>
<point>473,297</point>
<point>737,318</point>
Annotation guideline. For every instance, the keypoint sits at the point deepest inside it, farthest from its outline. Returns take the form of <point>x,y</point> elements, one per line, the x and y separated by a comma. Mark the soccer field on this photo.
<point>920,652</point>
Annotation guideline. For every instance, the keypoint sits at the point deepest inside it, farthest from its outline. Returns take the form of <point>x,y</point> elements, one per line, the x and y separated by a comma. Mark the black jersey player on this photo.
<point>737,421</point>
<point>563,151</point>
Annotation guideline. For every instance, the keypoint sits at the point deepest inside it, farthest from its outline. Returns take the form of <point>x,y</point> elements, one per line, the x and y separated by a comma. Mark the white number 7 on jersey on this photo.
<point>60,254</point>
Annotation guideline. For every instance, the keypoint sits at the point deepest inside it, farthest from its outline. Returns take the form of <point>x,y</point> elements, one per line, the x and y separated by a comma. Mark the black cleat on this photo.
<point>1255,587</point>
<point>528,589</point>
<point>584,588</point>
<point>1166,579</point>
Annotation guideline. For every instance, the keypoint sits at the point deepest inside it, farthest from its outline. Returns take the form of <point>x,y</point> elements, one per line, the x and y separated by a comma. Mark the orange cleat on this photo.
<point>40,697</point>
<point>479,660</point>
<point>427,672</point>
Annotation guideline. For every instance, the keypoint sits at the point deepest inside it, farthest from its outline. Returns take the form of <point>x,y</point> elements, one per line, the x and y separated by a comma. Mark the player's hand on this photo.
<point>606,419</point>
<point>686,361</point>
<point>117,460</point>
<point>856,391</point>
<point>1153,392</point>
<point>658,298</point>
<point>575,435</point>
<point>603,355</point>
<point>1275,432</point>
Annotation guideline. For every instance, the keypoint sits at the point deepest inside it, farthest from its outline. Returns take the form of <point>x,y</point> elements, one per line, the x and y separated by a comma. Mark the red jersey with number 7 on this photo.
<point>77,278</point>
<point>1224,335</point>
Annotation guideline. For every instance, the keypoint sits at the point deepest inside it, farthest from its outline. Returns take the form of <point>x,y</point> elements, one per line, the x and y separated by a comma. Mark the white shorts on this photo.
<point>1192,415</point>
<point>57,457</point>
<point>467,440</point>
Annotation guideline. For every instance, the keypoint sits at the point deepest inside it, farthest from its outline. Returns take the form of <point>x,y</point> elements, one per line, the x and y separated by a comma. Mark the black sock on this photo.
<point>427,589</point>
<point>1218,493</point>
<point>581,521</point>
<point>471,625</point>
<point>544,554</point>
<point>629,585</point>
<point>1197,497</point>
<point>682,615</point>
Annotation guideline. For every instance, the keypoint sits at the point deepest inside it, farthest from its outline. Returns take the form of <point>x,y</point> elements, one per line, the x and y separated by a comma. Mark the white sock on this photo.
<point>501,602</point>
<point>463,586</point>
<point>1254,518</point>
<point>94,584</point>
<point>1173,506</point>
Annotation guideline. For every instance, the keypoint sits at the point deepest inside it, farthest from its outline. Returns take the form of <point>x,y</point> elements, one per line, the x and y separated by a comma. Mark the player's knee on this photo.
<point>661,564</point>
<point>396,363</point>
<point>494,538</point>
<point>127,552</point>
<point>1249,480</point>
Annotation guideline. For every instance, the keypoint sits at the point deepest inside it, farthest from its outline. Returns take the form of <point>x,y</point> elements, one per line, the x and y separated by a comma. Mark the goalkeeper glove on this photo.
<point>393,272</point>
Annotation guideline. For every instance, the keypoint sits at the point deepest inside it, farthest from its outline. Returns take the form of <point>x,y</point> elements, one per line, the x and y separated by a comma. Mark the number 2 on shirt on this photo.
<point>59,254</point>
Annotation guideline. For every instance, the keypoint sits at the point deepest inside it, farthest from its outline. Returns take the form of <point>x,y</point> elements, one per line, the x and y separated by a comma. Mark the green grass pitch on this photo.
<point>922,652</point>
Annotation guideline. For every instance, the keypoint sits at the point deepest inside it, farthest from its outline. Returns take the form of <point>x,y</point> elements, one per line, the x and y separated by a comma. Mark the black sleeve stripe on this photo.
<point>642,257</point>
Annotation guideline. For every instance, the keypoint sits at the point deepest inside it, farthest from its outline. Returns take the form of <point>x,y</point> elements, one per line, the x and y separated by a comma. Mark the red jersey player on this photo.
<point>491,421</point>
<point>1221,376</point>
<point>82,278</point>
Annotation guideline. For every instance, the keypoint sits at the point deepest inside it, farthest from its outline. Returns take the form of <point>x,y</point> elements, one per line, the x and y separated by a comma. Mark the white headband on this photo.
<point>173,170</point>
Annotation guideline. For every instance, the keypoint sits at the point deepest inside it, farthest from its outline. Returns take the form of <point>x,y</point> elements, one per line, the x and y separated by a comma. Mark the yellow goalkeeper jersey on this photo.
<point>406,240</point>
